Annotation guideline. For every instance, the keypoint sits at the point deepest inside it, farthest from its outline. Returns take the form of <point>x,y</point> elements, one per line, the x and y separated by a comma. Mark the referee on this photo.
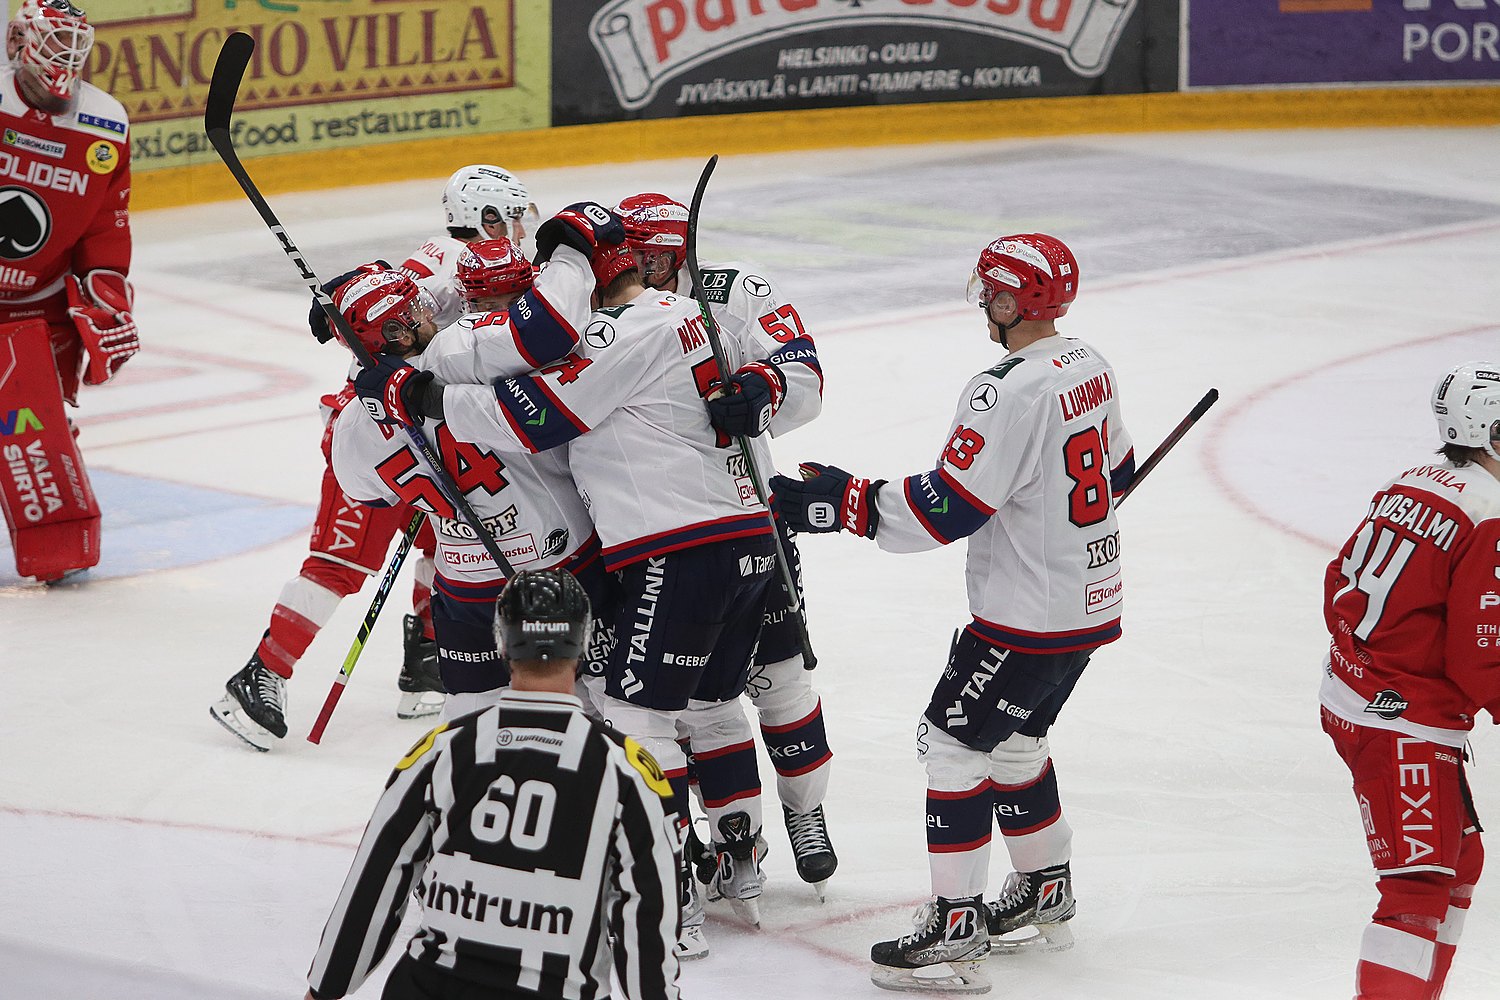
<point>538,842</point>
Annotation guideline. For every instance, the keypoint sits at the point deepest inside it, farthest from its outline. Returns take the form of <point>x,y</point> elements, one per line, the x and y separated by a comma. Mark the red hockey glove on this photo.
<point>99,306</point>
<point>827,498</point>
<point>583,225</point>
<point>751,398</point>
<point>396,393</point>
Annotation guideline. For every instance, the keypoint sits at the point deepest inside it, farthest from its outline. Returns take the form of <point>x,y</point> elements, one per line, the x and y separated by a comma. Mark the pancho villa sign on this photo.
<point>646,44</point>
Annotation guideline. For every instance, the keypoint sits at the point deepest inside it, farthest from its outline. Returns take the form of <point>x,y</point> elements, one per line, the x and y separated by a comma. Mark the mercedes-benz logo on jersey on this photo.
<point>25,223</point>
<point>984,397</point>
<point>599,334</point>
<point>756,285</point>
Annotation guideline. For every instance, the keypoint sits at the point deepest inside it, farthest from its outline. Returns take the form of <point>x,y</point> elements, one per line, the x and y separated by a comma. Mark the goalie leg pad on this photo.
<point>49,504</point>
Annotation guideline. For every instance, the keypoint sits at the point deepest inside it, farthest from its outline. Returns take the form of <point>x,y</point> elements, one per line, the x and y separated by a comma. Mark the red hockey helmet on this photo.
<point>1039,270</point>
<point>490,268</point>
<point>655,223</point>
<point>52,39</point>
<point>611,262</point>
<point>380,303</point>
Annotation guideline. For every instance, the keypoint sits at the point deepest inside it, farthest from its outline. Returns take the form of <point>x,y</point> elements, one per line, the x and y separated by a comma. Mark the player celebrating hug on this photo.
<point>1412,608</point>
<point>1035,454</point>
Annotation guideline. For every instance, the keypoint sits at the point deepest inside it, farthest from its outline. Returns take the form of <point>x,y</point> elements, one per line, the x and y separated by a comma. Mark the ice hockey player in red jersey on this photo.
<point>65,301</point>
<point>1412,604</point>
<point>1033,458</point>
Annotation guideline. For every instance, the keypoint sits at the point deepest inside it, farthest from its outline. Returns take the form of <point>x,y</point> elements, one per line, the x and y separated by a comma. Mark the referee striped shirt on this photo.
<point>540,850</point>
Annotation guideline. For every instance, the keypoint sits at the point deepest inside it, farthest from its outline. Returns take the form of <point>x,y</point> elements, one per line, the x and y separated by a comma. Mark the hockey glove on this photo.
<point>583,226</point>
<point>99,305</point>
<point>317,319</point>
<point>751,398</point>
<point>396,393</point>
<point>827,498</point>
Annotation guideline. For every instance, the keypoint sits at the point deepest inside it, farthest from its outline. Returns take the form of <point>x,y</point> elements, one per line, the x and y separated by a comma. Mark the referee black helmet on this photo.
<point>543,615</point>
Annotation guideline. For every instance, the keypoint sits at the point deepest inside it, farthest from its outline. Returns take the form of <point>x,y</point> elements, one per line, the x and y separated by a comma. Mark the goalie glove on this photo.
<point>584,226</point>
<point>99,305</point>
<point>750,399</point>
<point>827,498</point>
<point>396,393</point>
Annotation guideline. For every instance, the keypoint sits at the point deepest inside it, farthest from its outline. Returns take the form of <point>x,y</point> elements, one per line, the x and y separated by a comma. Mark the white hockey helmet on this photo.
<point>482,193</point>
<point>1466,402</point>
<point>51,39</point>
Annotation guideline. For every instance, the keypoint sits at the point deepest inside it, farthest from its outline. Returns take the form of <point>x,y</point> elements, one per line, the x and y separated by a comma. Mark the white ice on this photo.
<point>1321,280</point>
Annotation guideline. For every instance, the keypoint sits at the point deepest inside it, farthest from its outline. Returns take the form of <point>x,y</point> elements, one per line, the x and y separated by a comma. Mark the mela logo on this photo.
<point>645,43</point>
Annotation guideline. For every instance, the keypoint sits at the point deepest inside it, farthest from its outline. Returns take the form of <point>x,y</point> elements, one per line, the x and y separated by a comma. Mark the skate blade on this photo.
<point>228,713</point>
<point>748,910</point>
<point>945,977</point>
<point>821,888</point>
<point>418,704</point>
<point>1048,938</point>
<point>691,944</point>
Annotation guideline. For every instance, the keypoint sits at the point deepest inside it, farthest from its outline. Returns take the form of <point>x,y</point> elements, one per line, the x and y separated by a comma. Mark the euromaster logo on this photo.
<point>645,43</point>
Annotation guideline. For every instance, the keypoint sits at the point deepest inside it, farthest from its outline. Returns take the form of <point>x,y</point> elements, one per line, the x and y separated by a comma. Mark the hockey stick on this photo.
<point>315,735</point>
<point>229,70</point>
<point>809,660</point>
<point>1209,399</point>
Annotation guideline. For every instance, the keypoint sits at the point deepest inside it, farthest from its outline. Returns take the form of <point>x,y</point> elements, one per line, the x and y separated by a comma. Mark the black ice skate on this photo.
<point>943,953</point>
<point>810,846</point>
<point>1040,901</point>
<point>702,861</point>
<point>254,705</point>
<point>420,684</point>
<point>739,878</point>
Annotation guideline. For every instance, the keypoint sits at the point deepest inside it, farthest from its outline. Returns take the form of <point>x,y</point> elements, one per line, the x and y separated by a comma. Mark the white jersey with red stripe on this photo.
<point>749,311</point>
<point>434,266</point>
<point>530,504</point>
<point>656,475</point>
<point>1033,458</point>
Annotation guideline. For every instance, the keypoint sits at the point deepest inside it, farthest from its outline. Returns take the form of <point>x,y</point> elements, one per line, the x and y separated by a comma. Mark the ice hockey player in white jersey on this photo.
<point>1034,457</point>
<point>778,388</point>
<point>481,202</point>
<point>683,532</point>
<point>529,504</point>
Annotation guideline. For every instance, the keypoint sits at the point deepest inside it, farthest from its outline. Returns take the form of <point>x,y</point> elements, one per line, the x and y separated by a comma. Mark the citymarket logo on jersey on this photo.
<point>645,43</point>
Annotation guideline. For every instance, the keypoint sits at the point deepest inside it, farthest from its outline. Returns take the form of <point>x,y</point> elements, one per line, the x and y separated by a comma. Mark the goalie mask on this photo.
<point>1040,271</point>
<point>50,39</point>
<point>482,194</point>
<point>489,269</point>
<point>1466,403</point>
<point>381,304</point>
<point>543,615</point>
<point>656,228</point>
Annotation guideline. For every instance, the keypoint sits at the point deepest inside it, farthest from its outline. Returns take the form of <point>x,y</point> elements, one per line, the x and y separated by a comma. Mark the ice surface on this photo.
<point>1321,280</point>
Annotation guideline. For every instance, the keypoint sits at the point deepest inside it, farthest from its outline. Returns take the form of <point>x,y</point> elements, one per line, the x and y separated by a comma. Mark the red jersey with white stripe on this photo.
<point>656,476</point>
<point>1034,456</point>
<point>1412,603</point>
<point>64,191</point>
<point>434,266</point>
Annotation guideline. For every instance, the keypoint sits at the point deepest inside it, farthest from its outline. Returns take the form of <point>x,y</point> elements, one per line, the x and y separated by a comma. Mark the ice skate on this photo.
<point>943,953</point>
<point>1039,901</point>
<point>811,848</point>
<point>420,684</point>
<point>739,878</point>
<point>690,941</point>
<point>700,857</point>
<point>254,705</point>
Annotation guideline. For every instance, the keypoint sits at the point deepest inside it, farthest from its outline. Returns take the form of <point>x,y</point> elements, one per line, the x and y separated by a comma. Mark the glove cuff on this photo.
<point>774,379</point>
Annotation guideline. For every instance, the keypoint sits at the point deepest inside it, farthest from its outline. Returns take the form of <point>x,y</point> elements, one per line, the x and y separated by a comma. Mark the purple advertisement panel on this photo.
<point>1246,42</point>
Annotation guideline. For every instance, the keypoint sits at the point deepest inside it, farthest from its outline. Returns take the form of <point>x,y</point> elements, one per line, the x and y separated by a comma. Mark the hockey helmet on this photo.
<point>380,303</point>
<point>490,268</point>
<point>543,615</point>
<point>52,38</point>
<point>655,224</point>
<point>482,193</point>
<point>1466,402</point>
<point>611,262</point>
<point>1039,270</point>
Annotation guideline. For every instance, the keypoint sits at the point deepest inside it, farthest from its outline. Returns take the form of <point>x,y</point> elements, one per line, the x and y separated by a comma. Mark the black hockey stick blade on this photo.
<point>1186,424</point>
<point>229,70</point>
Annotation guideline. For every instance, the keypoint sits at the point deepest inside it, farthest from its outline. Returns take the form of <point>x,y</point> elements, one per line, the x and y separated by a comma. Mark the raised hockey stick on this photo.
<point>229,70</point>
<point>315,735</point>
<point>1209,399</point>
<point>809,660</point>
